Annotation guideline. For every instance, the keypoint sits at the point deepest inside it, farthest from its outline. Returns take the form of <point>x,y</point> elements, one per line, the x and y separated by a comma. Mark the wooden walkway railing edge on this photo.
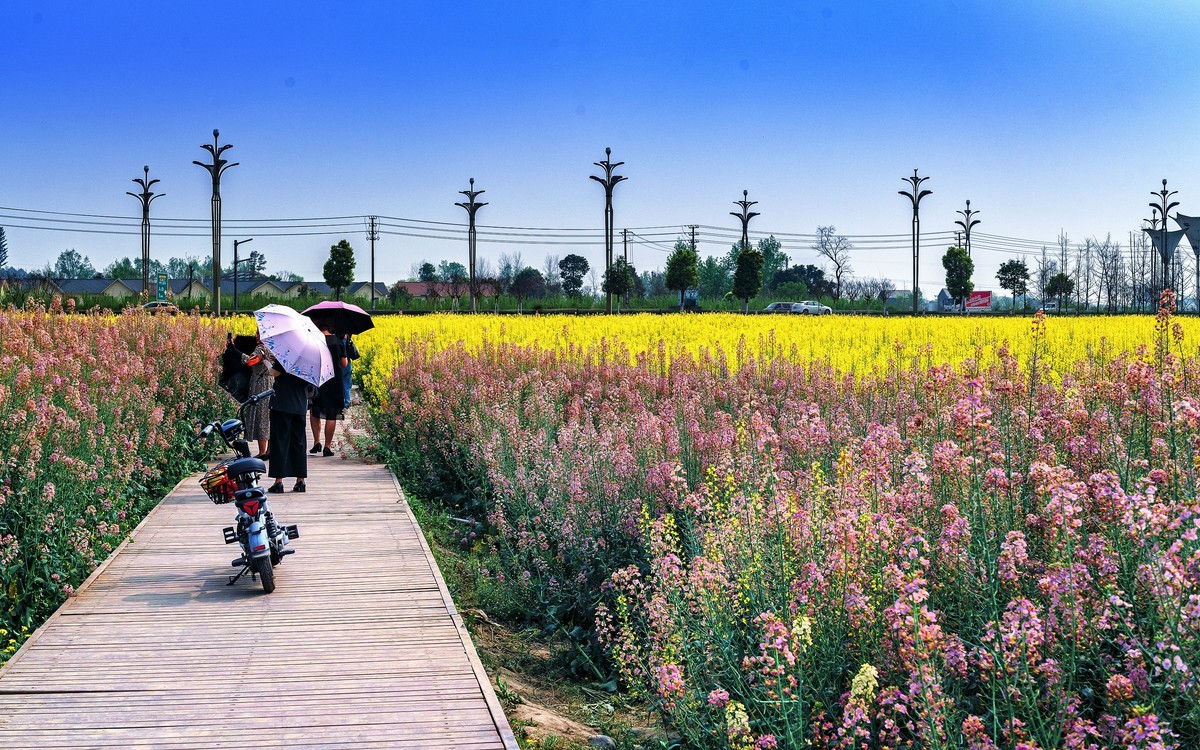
<point>481,675</point>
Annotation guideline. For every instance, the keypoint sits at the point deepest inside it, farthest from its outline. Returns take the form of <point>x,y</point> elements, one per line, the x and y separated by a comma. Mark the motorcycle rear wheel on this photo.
<point>266,573</point>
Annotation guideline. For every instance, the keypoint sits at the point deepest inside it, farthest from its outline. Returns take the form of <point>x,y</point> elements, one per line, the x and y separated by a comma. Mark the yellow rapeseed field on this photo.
<point>853,344</point>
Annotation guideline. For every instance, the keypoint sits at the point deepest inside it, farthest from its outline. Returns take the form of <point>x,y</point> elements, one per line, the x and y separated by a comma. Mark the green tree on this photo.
<point>959,268</point>
<point>747,280</point>
<point>72,265</point>
<point>810,276</point>
<point>715,280</point>
<point>572,269</point>
<point>618,280</point>
<point>682,271</point>
<point>774,259</point>
<point>1014,276</point>
<point>339,269</point>
<point>527,284</point>
<point>1060,285</point>
<point>177,268</point>
<point>123,268</point>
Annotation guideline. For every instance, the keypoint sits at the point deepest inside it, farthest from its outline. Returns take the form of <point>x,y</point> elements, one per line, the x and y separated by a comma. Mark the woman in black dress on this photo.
<point>288,407</point>
<point>330,401</point>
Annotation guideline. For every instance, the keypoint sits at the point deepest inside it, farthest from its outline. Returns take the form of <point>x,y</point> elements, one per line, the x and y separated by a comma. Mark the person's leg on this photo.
<point>300,464</point>
<point>280,427</point>
<point>314,421</point>
<point>330,426</point>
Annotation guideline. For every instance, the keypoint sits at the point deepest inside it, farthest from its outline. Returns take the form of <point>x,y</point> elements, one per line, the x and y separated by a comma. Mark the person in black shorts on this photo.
<point>329,403</point>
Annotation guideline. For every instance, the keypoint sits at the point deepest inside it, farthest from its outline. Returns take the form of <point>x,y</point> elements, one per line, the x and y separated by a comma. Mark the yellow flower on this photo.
<point>864,684</point>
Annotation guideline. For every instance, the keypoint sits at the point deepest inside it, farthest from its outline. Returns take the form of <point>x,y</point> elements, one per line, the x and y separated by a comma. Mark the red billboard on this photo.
<point>979,301</point>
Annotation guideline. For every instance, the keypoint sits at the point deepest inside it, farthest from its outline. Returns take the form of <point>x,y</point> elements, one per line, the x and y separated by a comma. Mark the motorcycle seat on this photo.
<point>245,466</point>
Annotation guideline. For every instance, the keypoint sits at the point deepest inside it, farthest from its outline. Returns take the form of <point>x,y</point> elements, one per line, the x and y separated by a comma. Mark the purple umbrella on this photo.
<point>295,343</point>
<point>343,317</point>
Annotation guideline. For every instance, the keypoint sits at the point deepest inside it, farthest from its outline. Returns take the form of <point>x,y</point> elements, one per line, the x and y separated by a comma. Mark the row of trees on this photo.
<point>1092,275</point>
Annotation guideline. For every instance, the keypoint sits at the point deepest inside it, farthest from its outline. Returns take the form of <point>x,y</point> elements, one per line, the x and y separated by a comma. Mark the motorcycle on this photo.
<point>264,541</point>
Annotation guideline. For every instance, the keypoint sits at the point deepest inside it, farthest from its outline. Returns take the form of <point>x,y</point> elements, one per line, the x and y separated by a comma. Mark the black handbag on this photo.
<point>351,349</point>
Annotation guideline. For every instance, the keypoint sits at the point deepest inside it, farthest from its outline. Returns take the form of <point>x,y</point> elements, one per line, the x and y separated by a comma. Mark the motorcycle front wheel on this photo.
<point>266,573</point>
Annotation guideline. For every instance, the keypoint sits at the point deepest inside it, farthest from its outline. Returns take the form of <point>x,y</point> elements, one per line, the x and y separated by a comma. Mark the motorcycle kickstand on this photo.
<point>244,571</point>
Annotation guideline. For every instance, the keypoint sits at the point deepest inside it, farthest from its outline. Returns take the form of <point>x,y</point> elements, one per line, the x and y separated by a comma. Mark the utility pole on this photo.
<point>693,228</point>
<point>236,272</point>
<point>372,235</point>
<point>625,242</point>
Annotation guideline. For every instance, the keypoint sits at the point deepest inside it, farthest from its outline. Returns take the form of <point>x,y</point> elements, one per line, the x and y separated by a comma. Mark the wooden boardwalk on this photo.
<point>360,646</point>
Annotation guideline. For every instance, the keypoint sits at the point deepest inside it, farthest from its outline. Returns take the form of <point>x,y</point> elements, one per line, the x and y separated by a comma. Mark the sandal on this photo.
<point>299,487</point>
<point>277,487</point>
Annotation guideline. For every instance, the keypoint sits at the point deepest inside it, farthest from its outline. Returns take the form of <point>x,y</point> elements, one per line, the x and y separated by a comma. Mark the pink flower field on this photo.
<point>988,554</point>
<point>96,410</point>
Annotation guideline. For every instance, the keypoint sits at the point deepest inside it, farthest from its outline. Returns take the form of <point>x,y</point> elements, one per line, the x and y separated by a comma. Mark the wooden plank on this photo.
<point>360,645</point>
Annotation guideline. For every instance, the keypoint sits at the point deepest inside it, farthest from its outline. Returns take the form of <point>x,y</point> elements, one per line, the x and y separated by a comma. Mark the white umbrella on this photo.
<point>295,342</point>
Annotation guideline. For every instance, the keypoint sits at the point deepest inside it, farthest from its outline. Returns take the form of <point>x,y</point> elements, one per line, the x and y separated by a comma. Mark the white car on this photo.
<point>809,307</point>
<point>778,307</point>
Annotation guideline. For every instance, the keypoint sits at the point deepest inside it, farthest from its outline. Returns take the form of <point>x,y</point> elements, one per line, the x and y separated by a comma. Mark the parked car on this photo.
<point>155,307</point>
<point>809,307</point>
<point>778,307</point>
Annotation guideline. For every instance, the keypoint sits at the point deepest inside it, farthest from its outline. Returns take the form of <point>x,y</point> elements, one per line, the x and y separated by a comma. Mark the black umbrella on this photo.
<point>342,317</point>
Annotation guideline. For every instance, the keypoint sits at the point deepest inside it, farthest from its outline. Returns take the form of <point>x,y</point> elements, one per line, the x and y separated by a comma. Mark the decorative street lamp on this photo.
<point>235,270</point>
<point>609,181</point>
<point>1153,232</point>
<point>216,169</point>
<point>1191,229</point>
<point>471,207</point>
<point>146,197</point>
<point>745,215</point>
<point>966,223</point>
<point>1164,206</point>
<point>915,196</point>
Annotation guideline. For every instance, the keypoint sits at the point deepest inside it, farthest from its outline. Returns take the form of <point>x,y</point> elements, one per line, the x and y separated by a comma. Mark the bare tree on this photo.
<point>1046,269</point>
<point>886,289</point>
<point>551,273</point>
<point>836,249</point>
<point>852,289</point>
<point>593,282</point>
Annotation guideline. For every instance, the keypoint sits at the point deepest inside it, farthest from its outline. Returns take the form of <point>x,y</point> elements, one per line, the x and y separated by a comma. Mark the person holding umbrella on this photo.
<point>338,320</point>
<point>330,401</point>
<point>299,360</point>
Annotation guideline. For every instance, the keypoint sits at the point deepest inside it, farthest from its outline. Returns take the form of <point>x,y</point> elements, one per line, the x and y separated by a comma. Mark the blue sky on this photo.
<point>1049,116</point>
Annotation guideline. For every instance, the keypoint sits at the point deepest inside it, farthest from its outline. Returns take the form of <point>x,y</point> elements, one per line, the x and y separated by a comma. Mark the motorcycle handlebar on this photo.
<point>205,432</point>
<point>259,397</point>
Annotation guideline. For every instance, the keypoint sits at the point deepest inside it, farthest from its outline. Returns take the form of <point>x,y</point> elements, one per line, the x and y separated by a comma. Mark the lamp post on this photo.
<point>216,169</point>
<point>609,181</point>
<point>146,197</point>
<point>235,270</point>
<point>745,215</point>
<point>915,196</point>
<point>1153,222</point>
<point>966,222</point>
<point>1164,206</point>
<point>471,206</point>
